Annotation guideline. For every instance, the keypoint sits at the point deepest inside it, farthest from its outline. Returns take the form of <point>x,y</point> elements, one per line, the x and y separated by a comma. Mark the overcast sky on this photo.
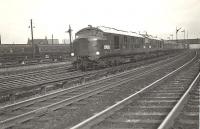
<point>157,17</point>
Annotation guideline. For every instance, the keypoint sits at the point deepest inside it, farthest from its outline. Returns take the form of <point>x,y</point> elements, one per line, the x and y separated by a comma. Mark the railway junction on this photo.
<point>74,64</point>
<point>160,92</point>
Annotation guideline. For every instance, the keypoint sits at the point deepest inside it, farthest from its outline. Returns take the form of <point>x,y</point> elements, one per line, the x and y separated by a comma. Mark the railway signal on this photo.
<point>70,36</point>
<point>177,33</point>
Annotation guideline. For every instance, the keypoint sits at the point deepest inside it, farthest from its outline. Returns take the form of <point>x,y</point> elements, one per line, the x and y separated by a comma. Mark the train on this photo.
<point>24,53</point>
<point>103,46</point>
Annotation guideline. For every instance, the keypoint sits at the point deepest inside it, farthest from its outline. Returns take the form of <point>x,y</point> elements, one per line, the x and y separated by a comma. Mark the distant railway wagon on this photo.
<point>105,46</point>
<point>11,52</point>
<point>20,53</point>
<point>53,51</point>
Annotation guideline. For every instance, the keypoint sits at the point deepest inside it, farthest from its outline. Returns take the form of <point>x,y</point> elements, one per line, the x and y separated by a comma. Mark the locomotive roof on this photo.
<point>116,31</point>
<point>109,30</point>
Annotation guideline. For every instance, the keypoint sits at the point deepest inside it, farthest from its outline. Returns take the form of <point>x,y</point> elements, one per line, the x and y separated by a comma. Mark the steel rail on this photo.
<point>57,80</point>
<point>48,81</point>
<point>86,124</point>
<point>61,92</point>
<point>31,72</point>
<point>26,116</point>
<point>71,89</point>
<point>169,119</point>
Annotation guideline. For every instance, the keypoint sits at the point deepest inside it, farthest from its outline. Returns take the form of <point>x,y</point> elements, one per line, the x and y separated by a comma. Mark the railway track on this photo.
<point>28,77</point>
<point>36,107</point>
<point>24,69</point>
<point>33,78</point>
<point>189,116</point>
<point>155,106</point>
<point>21,83</point>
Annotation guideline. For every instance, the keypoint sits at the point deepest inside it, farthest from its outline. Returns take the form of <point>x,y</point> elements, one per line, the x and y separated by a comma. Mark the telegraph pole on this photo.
<point>33,46</point>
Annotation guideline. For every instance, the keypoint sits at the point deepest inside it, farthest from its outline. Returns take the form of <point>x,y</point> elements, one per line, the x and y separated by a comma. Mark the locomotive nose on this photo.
<point>86,47</point>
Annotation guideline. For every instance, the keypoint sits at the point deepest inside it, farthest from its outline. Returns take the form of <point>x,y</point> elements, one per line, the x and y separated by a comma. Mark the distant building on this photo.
<point>193,41</point>
<point>194,46</point>
<point>189,41</point>
<point>43,41</point>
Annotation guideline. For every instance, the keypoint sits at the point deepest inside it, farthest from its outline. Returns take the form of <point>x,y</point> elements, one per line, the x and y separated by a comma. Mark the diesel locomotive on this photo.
<point>104,46</point>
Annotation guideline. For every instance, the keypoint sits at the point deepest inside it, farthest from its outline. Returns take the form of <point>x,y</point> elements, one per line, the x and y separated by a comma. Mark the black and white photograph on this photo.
<point>99,64</point>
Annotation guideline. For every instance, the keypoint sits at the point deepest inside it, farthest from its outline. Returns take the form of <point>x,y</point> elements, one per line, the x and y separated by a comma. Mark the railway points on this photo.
<point>40,81</point>
<point>78,105</point>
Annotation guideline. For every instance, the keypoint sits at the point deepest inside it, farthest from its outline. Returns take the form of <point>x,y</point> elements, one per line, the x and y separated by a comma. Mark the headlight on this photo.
<point>97,53</point>
<point>72,54</point>
<point>47,56</point>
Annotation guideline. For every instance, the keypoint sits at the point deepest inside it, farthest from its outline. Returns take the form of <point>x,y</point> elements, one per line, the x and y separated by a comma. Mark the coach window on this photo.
<point>116,42</point>
<point>133,42</point>
<point>22,49</point>
<point>125,41</point>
